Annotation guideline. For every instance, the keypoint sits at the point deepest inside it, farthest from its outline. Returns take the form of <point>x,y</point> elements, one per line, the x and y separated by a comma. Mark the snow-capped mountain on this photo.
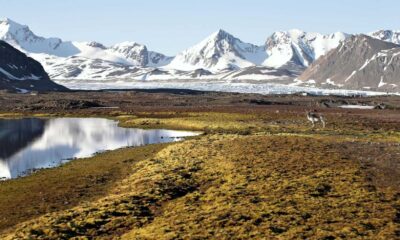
<point>54,50</point>
<point>298,48</point>
<point>213,57</point>
<point>20,36</point>
<point>387,35</point>
<point>220,51</point>
<point>291,50</point>
<point>221,56</point>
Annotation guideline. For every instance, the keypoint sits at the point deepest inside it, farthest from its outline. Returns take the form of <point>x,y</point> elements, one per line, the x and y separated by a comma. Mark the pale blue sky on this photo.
<point>170,26</point>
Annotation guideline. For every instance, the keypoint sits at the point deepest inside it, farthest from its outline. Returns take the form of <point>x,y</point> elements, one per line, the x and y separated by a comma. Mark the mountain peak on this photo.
<point>9,26</point>
<point>21,37</point>
<point>7,20</point>
<point>220,31</point>
<point>387,35</point>
<point>292,33</point>
<point>369,41</point>
<point>129,48</point>
<point>128,43</point>
<point>295,46</point>
<point>220,51</point>
<point>221,34</point>
<point>296,33</point>
<point>383,33</point>
<point>96,45</point>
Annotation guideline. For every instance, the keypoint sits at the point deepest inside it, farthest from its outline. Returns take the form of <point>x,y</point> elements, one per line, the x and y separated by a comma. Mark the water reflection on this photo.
<point>27,144</point>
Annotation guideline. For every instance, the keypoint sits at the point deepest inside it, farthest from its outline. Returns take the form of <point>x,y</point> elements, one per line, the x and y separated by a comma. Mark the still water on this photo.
<point>34,143</point>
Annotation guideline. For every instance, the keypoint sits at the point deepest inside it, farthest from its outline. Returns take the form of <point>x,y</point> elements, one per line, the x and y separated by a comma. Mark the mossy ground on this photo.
<point>64,187</point>
<point>251,176</point>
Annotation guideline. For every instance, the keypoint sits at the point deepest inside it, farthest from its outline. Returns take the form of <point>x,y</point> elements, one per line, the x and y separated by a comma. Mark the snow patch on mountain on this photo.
<point>12,77</point>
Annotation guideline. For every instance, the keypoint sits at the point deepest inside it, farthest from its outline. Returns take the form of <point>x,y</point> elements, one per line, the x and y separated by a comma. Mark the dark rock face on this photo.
<point>19,73</point>
<point>361,63</point>
<point>97,45</point>
<point>200,72</point>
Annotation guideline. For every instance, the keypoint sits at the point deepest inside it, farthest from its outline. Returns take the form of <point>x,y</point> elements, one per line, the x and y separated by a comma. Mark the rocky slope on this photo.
<point>20,73</point>
<point>361,62</point>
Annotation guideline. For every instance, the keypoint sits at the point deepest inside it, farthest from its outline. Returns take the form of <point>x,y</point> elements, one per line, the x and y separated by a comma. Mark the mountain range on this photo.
<point>219,56</point>
<point>285,56</point>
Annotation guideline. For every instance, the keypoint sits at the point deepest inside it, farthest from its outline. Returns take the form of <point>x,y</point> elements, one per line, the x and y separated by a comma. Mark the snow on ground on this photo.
<point>21,90</point>
<point>214,85</point>
<point>357,106</point>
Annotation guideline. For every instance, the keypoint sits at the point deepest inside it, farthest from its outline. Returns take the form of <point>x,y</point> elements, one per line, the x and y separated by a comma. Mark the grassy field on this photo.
<point>258,176</point>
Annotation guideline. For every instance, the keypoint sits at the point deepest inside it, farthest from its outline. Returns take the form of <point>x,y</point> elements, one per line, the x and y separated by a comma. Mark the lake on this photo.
<point>34,143</point>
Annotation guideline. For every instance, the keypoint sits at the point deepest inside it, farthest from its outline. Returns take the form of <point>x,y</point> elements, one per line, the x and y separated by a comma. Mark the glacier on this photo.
<point>259,87</point>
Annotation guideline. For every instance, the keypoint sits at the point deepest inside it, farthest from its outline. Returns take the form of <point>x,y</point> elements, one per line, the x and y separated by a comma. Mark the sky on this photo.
<point>170,26</point>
